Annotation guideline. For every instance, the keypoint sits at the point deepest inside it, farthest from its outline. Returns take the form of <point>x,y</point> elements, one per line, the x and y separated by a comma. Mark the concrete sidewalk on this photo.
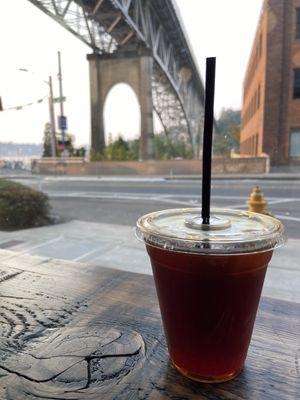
<point>116,246</point>
<point>278,176</point>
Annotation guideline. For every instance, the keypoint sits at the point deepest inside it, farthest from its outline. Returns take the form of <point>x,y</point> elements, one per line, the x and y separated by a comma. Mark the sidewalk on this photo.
<point>272,176</point>
<point>288,176</point>
<point>116,246</point>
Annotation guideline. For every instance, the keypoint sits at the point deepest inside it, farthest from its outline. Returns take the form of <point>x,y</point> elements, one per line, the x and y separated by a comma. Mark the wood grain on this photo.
<point>69,331</point>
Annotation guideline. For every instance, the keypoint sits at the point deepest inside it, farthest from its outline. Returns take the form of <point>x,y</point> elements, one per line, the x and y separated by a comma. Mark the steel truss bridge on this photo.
<point>109,26</point>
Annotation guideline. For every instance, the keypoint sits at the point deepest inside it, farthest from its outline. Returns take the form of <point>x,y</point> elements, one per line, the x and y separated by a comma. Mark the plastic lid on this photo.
<point>231,232</point>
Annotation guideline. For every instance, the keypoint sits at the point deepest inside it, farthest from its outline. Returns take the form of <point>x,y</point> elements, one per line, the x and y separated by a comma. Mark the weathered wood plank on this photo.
<point>73,332</point>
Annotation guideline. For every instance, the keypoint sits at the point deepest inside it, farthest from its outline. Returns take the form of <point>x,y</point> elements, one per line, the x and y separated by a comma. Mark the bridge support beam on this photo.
<point>132,68</point>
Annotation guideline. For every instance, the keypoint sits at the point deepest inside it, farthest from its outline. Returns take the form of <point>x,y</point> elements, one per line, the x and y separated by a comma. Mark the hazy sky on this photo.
<point>30,39</point>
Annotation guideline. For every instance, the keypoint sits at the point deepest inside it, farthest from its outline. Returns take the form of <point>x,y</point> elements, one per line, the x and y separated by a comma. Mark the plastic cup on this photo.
<point>209,284</point>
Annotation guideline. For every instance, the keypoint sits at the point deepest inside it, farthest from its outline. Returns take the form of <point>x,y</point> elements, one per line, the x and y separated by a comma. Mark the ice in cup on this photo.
<point>209,283</point>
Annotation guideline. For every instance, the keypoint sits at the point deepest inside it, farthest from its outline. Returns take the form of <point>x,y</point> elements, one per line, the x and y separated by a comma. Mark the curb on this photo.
<point>270,177</point>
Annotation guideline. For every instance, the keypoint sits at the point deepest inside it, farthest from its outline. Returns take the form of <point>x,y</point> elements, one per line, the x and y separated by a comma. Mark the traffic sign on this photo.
<point>62,122</point>
<point>59,99</point>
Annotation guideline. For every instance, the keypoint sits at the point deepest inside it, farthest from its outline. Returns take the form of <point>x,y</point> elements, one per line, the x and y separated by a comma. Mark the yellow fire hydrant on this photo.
<point>257,202</point>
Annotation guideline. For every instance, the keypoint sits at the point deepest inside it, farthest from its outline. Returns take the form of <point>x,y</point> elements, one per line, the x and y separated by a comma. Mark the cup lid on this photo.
<point>231,231</point>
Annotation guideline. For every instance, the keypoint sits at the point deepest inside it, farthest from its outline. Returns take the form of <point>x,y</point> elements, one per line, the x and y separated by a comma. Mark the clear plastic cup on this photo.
<point>209,283</point>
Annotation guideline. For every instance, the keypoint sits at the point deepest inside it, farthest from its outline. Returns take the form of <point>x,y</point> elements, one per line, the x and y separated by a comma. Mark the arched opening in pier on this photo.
<point>122,115</point>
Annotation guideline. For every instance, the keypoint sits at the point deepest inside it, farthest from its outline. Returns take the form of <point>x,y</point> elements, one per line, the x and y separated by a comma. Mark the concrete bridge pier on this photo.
<point>132,68</point>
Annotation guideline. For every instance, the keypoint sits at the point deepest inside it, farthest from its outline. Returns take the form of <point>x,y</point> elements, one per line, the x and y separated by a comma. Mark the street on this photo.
<point>121,201</point>
<point>98,216</point>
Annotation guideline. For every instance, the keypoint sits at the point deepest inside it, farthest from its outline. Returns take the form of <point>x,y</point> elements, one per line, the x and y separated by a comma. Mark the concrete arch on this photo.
<point>117,80</point>
<point>136,71</point>
<point>123,90</point>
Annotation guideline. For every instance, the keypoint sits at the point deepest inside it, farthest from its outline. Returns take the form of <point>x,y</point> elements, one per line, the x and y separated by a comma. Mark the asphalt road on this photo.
<point>122,201</point>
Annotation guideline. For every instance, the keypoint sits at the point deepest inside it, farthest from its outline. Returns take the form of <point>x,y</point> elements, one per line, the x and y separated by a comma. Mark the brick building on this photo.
<point>271,102</point>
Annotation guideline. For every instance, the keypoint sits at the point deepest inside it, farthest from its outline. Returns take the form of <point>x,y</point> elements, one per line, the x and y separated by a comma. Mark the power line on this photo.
<point>21,106</point>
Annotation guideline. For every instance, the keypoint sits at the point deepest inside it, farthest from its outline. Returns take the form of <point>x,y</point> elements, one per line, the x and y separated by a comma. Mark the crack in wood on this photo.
<point>5,276</point>
<point>88,360</point>
<point>297,362</point>
<point>20,375</point>
<point>106,343</point>
<point>16,297</point>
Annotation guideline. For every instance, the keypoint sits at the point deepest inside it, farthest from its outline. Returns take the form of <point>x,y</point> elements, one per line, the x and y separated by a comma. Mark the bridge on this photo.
<point>142,43</point>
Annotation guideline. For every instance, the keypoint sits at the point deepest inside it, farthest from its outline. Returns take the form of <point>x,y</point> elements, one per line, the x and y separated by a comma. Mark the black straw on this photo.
<point>207,137</point>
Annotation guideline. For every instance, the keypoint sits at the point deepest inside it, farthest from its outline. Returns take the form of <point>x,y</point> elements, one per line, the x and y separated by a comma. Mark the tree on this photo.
<point>124,150</point>
<point>70,139</point>
<point>117,150</point>
<point>47,151</point>
<point>134,149</point>
<point>227,136</point>
<point>80,152</point>
<point>166,149</point>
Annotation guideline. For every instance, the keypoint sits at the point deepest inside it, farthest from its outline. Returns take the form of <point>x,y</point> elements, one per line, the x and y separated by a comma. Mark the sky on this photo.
<point>30,39</point>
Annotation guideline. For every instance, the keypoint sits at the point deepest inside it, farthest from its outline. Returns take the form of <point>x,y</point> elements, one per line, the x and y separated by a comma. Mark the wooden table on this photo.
<point>76,332</point>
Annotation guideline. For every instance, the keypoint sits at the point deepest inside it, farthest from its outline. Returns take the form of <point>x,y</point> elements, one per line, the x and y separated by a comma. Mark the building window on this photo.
<point>295,143</point>
<point>297,83</point>
<point>298,23</point>
<point>258,97</point>
<point>256,145</point>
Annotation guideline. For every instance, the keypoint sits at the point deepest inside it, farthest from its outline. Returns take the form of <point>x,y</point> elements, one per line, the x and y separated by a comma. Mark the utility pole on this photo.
<point>52,119</point>
<point>61,101</point>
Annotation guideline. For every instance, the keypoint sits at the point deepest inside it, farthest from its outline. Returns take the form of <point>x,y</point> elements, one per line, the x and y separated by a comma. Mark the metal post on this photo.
<point>61,99</point>
<point>52,119</point>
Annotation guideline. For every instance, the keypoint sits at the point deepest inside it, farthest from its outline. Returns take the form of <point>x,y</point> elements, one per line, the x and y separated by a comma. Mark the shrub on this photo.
<point>22,207</point>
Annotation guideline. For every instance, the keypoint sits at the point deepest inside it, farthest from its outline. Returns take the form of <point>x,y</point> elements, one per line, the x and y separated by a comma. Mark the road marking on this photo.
<point>288,218</point>
<point>125,197</point>
<point>170,201</point>
<point>166,198</point>
<point>283,201</point>
<point>237,206</point>
<point>163,198</point>
<point>142,196</point>
<point>104,179</point>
